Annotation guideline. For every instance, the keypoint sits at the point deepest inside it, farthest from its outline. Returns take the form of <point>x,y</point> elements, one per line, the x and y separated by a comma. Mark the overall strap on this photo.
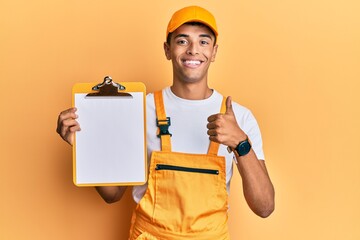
<point>162,122</point>
<point>214,146</point>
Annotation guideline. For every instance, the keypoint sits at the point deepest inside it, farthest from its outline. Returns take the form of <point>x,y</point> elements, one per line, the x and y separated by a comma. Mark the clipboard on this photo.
<point>110,149</point>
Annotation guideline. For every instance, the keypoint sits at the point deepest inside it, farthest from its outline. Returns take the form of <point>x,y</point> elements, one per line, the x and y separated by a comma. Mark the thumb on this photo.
<point>229,109</point>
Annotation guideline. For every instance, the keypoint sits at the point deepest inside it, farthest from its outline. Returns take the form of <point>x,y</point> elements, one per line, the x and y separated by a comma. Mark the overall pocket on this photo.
<point>187,198</point>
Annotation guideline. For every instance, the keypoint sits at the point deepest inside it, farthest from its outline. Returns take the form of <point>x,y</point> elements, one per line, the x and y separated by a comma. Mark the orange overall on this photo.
<point>186,196</point>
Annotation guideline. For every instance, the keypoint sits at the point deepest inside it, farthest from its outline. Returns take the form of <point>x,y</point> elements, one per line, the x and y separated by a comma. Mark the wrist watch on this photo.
<point>243,147</point>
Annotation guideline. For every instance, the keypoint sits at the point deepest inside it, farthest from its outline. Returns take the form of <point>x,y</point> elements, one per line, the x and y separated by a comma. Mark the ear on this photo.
<point>167,51</point>
<point>213,56</point>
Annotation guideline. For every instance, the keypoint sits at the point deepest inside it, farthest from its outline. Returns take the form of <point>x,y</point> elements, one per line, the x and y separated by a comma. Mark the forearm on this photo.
<point>258,189</point>
<point>111,194</point>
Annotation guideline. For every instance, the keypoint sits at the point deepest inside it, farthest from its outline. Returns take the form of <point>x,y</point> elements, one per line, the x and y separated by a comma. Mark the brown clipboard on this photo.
<point>110,149</point>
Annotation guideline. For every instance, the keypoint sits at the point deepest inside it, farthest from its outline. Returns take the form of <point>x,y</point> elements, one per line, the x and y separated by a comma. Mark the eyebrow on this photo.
<point>186,35</point>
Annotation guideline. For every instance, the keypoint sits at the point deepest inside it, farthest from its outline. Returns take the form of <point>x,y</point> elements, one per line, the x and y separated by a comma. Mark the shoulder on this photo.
<point>240,111</point>
<point>150,99</point>
<point>243,114</point>
<point>150,96</point>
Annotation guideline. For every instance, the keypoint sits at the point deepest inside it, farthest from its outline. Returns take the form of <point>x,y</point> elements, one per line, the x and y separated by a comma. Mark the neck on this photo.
<point>191,91</point>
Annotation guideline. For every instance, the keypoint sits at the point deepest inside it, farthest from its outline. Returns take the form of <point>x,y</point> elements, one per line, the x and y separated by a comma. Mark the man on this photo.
<point>189,176</point>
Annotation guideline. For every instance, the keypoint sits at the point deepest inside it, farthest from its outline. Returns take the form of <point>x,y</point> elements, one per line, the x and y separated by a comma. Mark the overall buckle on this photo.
<point>163,125</point>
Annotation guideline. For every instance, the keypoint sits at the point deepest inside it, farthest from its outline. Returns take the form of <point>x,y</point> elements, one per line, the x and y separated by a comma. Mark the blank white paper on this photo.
<point>110,148</point>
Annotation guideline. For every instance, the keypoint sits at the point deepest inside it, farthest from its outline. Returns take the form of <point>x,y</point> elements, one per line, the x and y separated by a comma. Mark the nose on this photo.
<point>192,49</point>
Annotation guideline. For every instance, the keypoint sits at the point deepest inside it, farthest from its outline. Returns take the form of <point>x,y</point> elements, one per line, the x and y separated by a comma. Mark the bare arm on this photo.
<point>111,194</point>
<point>66,128</point>
<point>258,189</point>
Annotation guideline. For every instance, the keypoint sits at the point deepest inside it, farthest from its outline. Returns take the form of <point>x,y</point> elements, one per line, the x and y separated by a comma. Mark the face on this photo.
<point>191,51</point>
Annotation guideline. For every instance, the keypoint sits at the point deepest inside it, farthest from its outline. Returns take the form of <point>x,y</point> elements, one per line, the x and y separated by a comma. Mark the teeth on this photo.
<point>192,62</point>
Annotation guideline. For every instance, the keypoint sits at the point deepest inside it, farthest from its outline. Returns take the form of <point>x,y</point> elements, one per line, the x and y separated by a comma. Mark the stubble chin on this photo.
<point>191,79</point>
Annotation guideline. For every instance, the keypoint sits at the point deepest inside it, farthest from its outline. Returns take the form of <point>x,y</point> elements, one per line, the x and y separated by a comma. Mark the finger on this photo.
<point>214,139</point>
<point>229,109</point>
<point>66,125</point>
<point>69,113</point>
<point>68,135</point>
<point>214,117</point>
<point>75,128</point>
<point>211,125</point>
<point>212,132</point>
<point>211,118</point>
<point>65,115</point>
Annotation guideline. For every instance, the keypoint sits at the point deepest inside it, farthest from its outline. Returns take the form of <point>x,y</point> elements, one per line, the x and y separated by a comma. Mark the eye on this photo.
<point>181,42</point>
<point>204,42</point>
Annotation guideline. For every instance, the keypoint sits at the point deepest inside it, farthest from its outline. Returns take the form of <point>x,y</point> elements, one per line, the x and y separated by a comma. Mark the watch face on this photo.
<point>243,148</point>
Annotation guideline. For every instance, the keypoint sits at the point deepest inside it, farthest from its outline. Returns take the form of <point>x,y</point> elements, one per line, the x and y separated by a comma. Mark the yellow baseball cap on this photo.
<point>191,14</point>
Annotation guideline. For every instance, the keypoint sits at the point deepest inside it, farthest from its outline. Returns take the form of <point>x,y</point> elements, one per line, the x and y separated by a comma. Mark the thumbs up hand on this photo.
<point>224,129</point>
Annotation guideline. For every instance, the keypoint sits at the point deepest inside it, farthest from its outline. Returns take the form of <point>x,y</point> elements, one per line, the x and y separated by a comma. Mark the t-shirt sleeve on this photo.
<point>249,125</point>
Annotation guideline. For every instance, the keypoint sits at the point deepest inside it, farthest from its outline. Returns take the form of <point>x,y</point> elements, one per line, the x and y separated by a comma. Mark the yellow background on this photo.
<point>295,64</point>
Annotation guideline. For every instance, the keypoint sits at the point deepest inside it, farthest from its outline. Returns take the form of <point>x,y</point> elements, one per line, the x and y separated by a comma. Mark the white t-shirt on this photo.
<point>189,132</point>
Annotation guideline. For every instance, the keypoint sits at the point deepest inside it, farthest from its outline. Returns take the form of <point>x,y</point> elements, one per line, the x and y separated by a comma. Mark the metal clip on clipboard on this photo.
<point>109,88</point>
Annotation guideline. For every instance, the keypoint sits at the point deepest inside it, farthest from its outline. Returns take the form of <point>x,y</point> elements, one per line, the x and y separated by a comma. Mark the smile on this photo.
<point>192,62</point>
